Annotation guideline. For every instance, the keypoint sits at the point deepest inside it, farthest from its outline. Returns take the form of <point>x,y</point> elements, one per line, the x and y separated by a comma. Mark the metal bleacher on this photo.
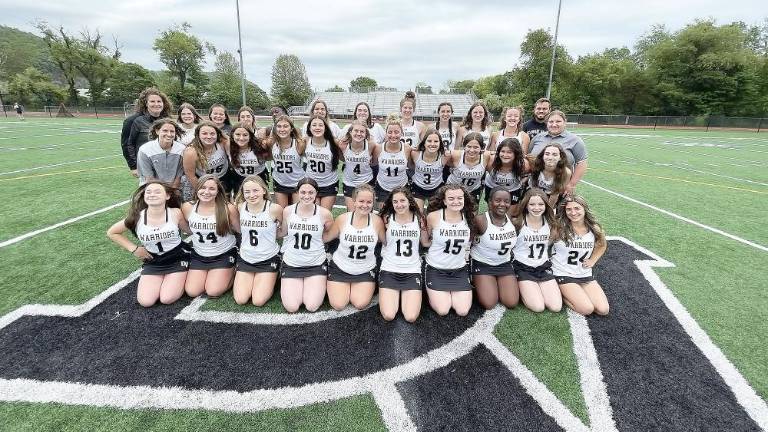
<point>383,103</point>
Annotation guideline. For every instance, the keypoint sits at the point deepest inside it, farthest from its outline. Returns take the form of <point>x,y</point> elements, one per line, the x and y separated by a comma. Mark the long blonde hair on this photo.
<point>220,202</point>
<point>202,159</point>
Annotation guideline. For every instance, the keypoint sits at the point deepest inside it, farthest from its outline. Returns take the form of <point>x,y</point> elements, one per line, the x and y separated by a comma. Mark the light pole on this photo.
<point>554,49</point>
<point>240,51</point>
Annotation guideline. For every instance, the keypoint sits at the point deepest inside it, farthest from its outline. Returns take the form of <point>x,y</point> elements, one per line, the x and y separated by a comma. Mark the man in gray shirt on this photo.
<point>574,147</point>
<point>160,159</point>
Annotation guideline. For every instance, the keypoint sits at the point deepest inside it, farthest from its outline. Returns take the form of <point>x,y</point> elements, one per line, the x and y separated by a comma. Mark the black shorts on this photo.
<point>349,190</point>
<point>381,193</point>
<point>232,180</point>
<point>288,190</point>
<point>335,274</point>
<point>447,280</point>
<point>423,194</point>
<point>541,273</point>
<point>517,195</point>
<point>270,265</point>
<point>326,191</point>
<point>400,281</point>
<point>480,268</point>
<point>567,279</point>
<point>289,272</point>
<point>174,261</point>
<point>225,260</point>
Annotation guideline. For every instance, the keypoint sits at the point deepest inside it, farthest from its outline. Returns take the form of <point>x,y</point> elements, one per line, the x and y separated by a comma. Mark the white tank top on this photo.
<point>303,246</point>
<point>567,258</point>
<point>494,246</point>
<point>259,230</point>
<point>448,137</point>
<point>218,163</point>
<point>471,177</point>
<point>486,134</point>
<point>542,183</point>
<point>158,240</point>
<point>205,241</point>
<point>401,253</point>
<point>287,169</point>
<point>250,164</point>
<point>357,166</point>
<point>428,175</point>
<point>501,137</point>
<point>355,254</point>
<point>507,180</point>
<point>392,168</point>
<point>450,244</point>
<point>410,135</point>
<point>531,246</point>
<point>319,165</point>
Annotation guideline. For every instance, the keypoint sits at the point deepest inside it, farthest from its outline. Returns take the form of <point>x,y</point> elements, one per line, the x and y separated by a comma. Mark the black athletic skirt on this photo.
<point>423,194</point>
<point>517,195</point>
<point>289,272</point>
<point>480,268</point>
<point>335,274</point>
<point>447,280</point>
<point>225,260</point>
<point>326,191</point>
<point>400,281</point>
<point>349,190</point>
<point>541,273</point>
<point>174,261</point>
<point>283,189</point>
<point>270,265</point>
<point>567,279</point>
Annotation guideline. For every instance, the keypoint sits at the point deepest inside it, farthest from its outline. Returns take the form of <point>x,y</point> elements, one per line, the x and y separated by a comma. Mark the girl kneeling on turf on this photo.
<point>451,223</point>
<point>533,268</point>
<point>212,220</point>
<point>492,271</point>
<point>580,243</point>
<point>259,259</point>
<point>155,218</point>
<point>352,270</point>
<point>400,272</point>
<point>304,269</point>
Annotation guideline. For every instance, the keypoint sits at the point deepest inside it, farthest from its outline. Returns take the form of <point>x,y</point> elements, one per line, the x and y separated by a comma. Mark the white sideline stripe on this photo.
<point>193,313</point>
<point>58,164</point>
<point>592,384</point>
<point>67,134</point>
<point>682,218</point>
<point>745,395</point>
<point>393,409</point>
<point>60,224</point>
<point>66,310</point>
<point>52,146</point>
<point>549,403</point>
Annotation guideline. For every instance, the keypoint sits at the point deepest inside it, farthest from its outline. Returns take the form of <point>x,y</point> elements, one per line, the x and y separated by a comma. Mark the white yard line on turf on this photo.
<point>60,224</point>
<point>51,146</point>
<point>682,218</point>
<point>58,164</point>
<point>393,410</point>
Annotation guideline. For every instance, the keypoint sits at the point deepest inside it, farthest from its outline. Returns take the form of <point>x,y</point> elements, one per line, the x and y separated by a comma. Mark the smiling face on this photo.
<point>472,149</point>
<point>320,110</point>
<point>432,142</point>
<point>536,206</point>
<point>283,129</point>
<point>166,134</point>
<point>555,125</point>
<point>245,118</point>
<point>512,117</point>
<point>394,132</point>
<point>454,200</point>
<point>317,128</point>
<point>400,203</point>
<point>155,105</point>
<point>574,211</point>
<point>551,156</point>
<point>359,133</point>
<point>361,113</point>
<point>364,202</point>
<point>187,117</point>
<point>241,137</point>
<point>407,109</point>
<point>207,191</point>
<point>307,194</point>
<point>155,194</point>
<point>506,155</point>
<point>218,115</point>
<point>541,110</point>
<point>500,203</point>
<point>208,135</point>
<point>478,114</point>
<point>445,112</point>
<point>253,193</point>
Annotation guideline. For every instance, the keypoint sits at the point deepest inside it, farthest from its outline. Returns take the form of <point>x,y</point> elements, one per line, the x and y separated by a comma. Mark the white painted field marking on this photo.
<point>77,132</point>
<point>60,224</point>
<point>746,396</point>
<point>53,146</point>
<point>592,384</point>
<point>58,164</point>
<point>682,218</point>
<point>193,313</point>
<point>393,409</point>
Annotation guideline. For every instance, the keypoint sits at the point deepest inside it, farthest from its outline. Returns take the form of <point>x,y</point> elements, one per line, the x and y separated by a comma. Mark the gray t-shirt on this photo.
<point>154,162</point>
<point>574,147</point>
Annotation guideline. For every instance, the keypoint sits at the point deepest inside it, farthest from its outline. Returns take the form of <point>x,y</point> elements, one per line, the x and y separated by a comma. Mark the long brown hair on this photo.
<point>141,105</point>
<point>566,227</point>
<point>437,202</point>
<point>138,204</point>
<point>549,213</point>
<point>220,202</point>
<point>387,209</point>
<point>503,123</point>
<point>253,144</point>
<point>467,123</point>
<point>561,170</point>
<point>202,159</point>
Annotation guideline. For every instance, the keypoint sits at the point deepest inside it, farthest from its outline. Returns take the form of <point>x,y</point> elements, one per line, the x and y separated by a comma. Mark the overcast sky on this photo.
<point>396,42</point>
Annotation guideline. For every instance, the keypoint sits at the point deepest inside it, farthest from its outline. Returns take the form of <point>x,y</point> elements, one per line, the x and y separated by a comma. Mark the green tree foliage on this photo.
<point>33,87</point>
<point>362,84</point>
<point>20,50</point>
<point>225,87</point>
<point>183,54</point>
<point>290,85</point>
<point>531,77</point>
<point>126,82</point>
<point>64,53</point>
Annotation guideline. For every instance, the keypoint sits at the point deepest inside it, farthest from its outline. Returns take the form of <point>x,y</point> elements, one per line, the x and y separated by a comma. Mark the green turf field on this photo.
<point>53,170</point>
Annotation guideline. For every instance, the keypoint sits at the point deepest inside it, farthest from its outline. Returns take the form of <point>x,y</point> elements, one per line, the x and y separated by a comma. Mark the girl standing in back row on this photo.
<point>477,120</point>
<point>412,129</point>
<point>287,149</point>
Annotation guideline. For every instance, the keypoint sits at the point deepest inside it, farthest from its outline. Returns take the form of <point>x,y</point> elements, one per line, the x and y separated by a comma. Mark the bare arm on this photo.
<point>333,231</point>
<point>597,253</point>
<point>426,238</point>
<point>234,218</point>
<point>116,234</point>
<point>578,173</point>
<point>189,162</point>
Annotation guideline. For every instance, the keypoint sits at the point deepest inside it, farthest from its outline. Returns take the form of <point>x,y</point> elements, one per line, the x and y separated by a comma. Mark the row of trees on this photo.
<point>701,69</point>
